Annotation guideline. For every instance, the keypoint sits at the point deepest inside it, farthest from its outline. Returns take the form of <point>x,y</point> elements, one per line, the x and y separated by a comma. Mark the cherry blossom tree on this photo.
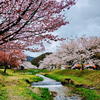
<point>11,54</point>
<point>49,62</point>
<point>11,58</point>
<point>80,50</point>
<point>28,22</point>
<point>76,50</point>
<point>25,23</point>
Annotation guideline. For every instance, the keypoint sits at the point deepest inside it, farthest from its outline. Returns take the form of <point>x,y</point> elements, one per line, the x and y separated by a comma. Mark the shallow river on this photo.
<point>63,92</point>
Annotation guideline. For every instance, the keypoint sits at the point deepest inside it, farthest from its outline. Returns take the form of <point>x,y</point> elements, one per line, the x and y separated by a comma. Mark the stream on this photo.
<point>63,92</point>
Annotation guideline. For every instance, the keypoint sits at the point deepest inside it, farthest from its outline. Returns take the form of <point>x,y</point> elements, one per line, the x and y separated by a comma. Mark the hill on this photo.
<point>36,60</point>
<point>29,58</point>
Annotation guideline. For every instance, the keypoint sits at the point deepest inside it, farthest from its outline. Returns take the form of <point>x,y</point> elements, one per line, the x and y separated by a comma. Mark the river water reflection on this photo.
<point>63,92</point>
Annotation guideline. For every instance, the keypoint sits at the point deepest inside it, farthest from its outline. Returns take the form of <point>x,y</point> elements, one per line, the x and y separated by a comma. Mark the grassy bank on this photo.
<point>14,87</point>
<point>82,80</point>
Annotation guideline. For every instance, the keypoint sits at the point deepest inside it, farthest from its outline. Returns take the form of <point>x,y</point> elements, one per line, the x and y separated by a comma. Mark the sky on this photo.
<point>84,19</point>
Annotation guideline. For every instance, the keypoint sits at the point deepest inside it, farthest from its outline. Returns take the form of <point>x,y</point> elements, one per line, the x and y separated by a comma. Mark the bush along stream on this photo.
<point>85,83</point>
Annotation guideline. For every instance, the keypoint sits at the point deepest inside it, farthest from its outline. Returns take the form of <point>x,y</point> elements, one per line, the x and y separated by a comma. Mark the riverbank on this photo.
<point>58,91</point>
<point>86,82</point>
<point>13,86</point>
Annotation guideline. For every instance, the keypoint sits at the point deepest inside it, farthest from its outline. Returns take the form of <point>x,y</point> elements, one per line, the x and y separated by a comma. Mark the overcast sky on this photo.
<point>84,19</point>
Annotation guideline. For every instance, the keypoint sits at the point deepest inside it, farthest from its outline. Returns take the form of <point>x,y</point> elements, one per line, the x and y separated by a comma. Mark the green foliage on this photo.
<point>32,94</point>
<point>15,87</point>
<point>29,71</point>
<point>35,71</point>
<point>87,94</point>
<point>56,77</point>
<point>45,94</point>
<point>3,94</point>
<point>18,70</point>
<point>86,77</point>
<point>2,67</point>
<point>4,74</point>
<point>36,60</point>
<point>37,79</point>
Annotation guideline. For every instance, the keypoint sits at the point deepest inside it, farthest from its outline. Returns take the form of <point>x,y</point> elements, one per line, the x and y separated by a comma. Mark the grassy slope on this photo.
<point>85,77</point>
<point>80,77</point>
<point>14,87</point>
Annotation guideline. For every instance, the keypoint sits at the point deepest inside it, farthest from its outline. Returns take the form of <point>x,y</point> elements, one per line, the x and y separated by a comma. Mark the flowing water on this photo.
<point>63,92</point>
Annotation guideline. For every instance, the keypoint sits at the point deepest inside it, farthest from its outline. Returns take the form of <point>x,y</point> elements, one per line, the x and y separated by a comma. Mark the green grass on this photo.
<point>45,94</point>
<point>11,93</point>
<point>89,77</point>
<point>85,77</point>
<point>2,67</point>
<point>14,87</point>
<point>30,71</point>
<point>3,94</point>
<point>76,80</point>
<point>87,94</point>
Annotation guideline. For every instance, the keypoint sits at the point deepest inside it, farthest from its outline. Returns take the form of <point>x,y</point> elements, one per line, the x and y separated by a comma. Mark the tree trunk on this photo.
<point>82,66</point>
<point>5,68</point>
<point>82,63</point>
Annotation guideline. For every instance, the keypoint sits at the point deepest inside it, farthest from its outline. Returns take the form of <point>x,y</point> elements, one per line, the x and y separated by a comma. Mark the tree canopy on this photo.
<point>25,24</point>
<point>77,50</point>
<point>29,21</point>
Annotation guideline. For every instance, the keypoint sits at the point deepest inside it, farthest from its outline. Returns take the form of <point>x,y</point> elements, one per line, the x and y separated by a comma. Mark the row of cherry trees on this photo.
<point>73,51</point>
<point>25,23</point>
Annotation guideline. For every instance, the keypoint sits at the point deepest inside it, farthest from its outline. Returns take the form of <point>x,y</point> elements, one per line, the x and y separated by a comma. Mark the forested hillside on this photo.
<point>36,60</point>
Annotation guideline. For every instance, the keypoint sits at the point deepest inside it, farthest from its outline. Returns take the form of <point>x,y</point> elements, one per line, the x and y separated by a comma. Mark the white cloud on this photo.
<point>82,3</point>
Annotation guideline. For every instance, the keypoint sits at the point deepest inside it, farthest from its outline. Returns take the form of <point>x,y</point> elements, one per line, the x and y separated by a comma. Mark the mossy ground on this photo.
<point>14,87</point>
<point>85,77</point>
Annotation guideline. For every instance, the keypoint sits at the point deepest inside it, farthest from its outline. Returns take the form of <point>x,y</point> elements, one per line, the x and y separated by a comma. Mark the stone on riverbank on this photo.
<point>68,81</point>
